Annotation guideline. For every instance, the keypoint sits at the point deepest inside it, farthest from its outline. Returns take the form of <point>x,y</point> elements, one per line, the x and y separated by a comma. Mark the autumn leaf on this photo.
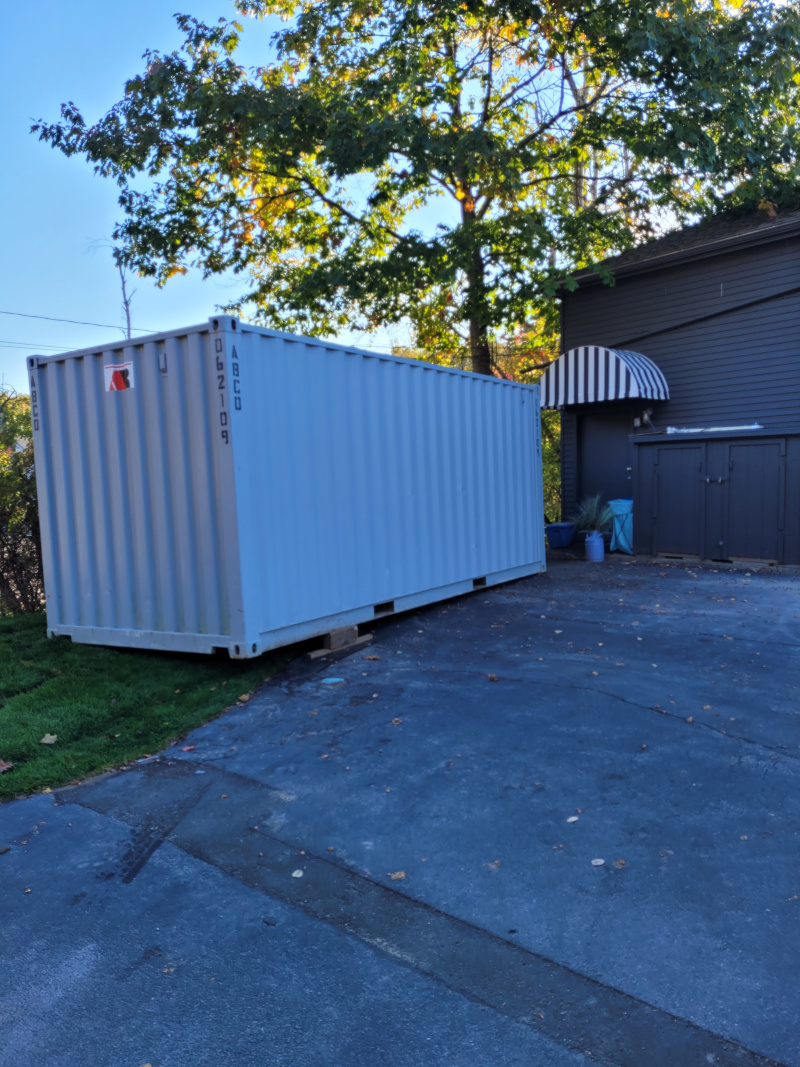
<point>49,739</point>
<point>397,876</point>
<point>492,677</point>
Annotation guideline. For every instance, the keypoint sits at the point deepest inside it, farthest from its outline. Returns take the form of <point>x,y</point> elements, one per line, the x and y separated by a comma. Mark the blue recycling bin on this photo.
<point>622,532</point>
<point>560,534</point>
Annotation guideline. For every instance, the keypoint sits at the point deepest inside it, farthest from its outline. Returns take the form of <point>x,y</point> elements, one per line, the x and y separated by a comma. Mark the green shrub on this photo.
<point>21,585</point>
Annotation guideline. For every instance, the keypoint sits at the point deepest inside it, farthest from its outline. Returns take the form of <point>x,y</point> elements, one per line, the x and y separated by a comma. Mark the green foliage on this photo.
<point>551,464</point>
<point>593,514</point>
<point>106,706</point>
<point>20,553</point>
<point>550,133</point>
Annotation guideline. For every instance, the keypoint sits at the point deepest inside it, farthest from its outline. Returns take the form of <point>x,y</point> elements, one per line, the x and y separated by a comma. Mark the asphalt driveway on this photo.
<point>553,823</point>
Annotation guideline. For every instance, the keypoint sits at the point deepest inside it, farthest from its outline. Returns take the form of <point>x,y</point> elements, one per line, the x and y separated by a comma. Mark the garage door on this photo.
<point>721,500</point>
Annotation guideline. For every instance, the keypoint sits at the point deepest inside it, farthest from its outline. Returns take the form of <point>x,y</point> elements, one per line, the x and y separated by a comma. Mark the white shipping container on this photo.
<point>229,487</point>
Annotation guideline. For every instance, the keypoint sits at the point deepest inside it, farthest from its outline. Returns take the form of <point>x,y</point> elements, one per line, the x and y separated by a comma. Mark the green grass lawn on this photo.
<point>106,706</point>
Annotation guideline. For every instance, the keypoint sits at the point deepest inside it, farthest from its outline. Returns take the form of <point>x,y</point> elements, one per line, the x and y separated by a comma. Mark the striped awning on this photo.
<point>592,374</point>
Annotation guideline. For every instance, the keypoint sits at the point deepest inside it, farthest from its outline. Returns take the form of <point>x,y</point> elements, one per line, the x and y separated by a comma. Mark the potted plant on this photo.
<point>594,518</point>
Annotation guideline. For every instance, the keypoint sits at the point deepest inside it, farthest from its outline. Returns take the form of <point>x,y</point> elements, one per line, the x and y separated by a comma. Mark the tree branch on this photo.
<point>489,84</point>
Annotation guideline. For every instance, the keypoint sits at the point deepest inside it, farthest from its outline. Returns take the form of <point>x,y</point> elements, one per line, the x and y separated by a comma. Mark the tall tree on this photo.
<point>550,133</point>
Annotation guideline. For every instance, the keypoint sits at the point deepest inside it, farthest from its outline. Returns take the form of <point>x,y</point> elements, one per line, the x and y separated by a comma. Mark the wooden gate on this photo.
<point>715,499</point>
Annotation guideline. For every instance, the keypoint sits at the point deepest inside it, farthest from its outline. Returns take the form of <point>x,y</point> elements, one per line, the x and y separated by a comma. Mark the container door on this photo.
<point>679,498</point>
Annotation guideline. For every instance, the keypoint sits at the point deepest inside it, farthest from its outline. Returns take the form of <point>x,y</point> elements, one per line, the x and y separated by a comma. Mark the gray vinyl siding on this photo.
<point>570,490</point>
<point>638,306</point>
<point>725,331</point>
<point>740,368</point>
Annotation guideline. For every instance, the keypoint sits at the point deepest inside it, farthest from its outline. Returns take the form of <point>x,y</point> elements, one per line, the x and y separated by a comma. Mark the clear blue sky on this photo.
<point>55,212</point>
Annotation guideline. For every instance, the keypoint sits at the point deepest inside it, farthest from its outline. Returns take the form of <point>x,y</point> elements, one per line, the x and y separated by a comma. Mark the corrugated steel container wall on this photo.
<point>254,488</point>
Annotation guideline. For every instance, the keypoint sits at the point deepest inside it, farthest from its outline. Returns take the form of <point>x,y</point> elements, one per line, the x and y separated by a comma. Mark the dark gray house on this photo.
<point>680,387</point>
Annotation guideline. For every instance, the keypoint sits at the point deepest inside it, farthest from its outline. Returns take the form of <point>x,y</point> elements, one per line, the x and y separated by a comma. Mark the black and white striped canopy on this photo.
<point>591,374</point>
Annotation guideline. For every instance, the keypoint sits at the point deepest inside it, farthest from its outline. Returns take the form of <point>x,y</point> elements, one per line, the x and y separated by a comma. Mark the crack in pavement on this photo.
<point>217,820</point>
<point>659,710</point>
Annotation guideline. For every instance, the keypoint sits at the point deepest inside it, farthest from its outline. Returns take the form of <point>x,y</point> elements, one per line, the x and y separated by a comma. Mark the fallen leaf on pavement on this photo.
<point>492,677</point>
<point>244,698</point>
<point>372,657</point>
<point>188,748</point>
<point>396,722</point>
<point>396,876</point>
<point>49,739</point>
